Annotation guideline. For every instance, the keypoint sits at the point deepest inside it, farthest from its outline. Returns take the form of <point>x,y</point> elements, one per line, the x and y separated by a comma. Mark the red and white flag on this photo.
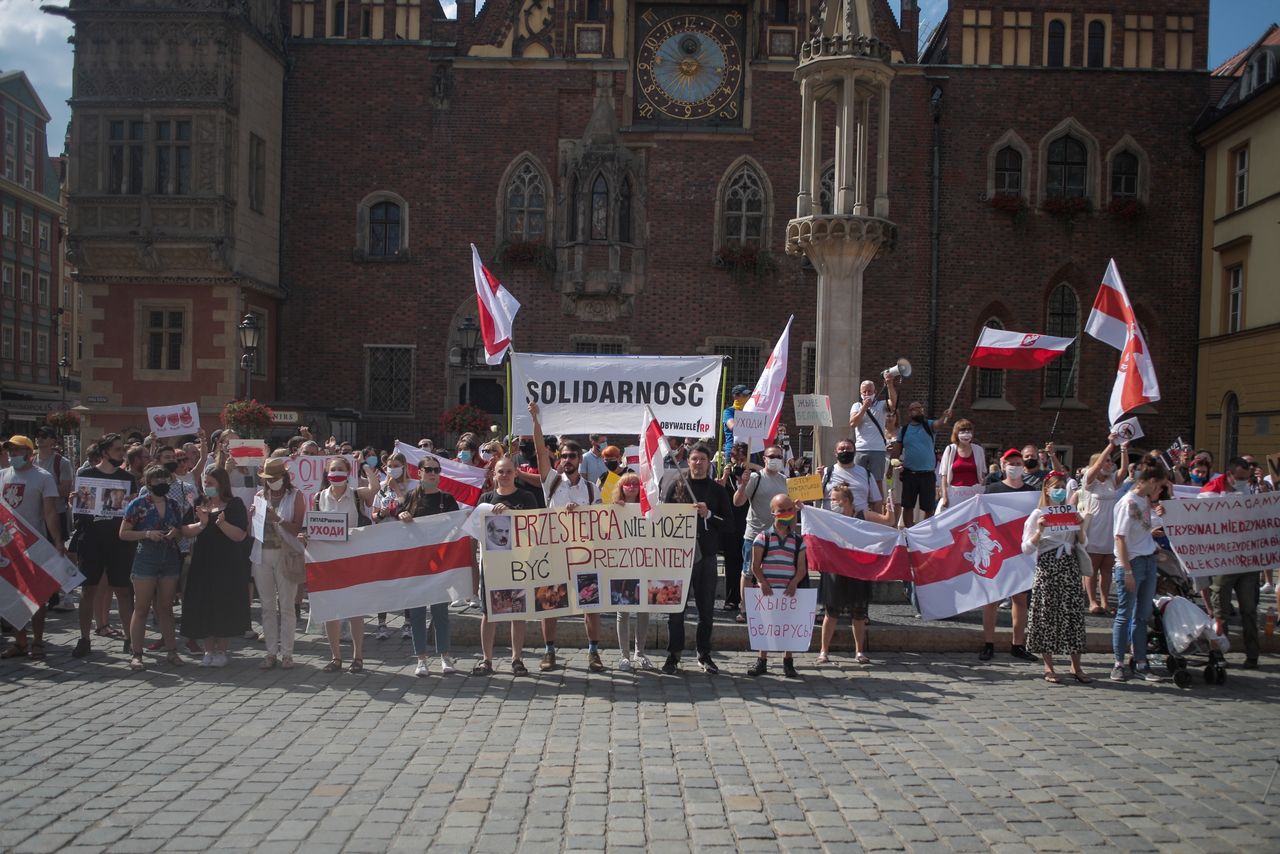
<point>653,455</point>
<point>1004,350</point>
<point>464,482</point>
<point>855,548</point>
<point>31,570</point>
<point>771,387</point>
<point>390,567</point>
<point>971,554</point>
<point>1113,322</point>
<point>497,310</point>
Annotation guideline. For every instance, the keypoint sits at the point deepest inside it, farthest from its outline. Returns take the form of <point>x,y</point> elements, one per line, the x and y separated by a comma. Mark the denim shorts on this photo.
<point>157,560</point>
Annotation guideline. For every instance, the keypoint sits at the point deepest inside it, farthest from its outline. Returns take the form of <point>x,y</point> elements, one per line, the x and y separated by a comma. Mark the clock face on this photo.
<point>689,65</point>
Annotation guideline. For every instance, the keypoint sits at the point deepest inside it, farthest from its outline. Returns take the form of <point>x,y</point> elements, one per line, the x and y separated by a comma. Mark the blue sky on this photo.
<point>37,43</point>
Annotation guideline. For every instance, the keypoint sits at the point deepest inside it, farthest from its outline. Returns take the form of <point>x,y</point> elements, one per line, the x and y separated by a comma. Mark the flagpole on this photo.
<point>1063,398</point>
<point>724,386</point>
<point>511,397</point>
<point>963,377</point>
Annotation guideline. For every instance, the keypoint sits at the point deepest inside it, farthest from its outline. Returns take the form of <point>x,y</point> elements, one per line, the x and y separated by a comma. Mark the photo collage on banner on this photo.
<point>553,563</point>
<point>102,497</point>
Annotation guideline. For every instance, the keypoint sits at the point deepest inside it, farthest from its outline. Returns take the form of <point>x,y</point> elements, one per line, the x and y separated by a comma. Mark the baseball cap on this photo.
<point>22,441</point>
<point>740,390</point>
<point>1012,452</point>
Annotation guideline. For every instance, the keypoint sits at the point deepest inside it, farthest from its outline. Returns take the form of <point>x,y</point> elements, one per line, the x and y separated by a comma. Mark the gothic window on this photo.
<point>574,208</point>
<point>624,212</point>
<point>1064,322</point>
<point>744,208</point>
<point>599,209</point>
<point>990,380</point>
<point>827,191</point>
<point>390,379</point>
<point>1097,44</point>
<point>745,359</point>
<point>526,199</point>
<point>1008,171</point>
<point>384,229</point>
<point>1057,44</point>
<point>1230,426</point>
<point>1068,168</point>
<point>1124,176</point>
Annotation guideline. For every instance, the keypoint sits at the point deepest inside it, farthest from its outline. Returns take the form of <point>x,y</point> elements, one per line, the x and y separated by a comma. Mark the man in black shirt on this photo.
<point>101,551</point>
<point>504,496</point>
<point>715,511</point>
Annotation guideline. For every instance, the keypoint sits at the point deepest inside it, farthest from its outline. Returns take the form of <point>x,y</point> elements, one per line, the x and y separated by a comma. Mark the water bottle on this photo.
<point>1271,621</point>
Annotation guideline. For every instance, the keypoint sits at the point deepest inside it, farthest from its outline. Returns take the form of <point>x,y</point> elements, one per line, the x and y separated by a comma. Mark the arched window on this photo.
<point>744,208</point>
<point>1230,427</point>
<point>1097,44</point>
<point>1064,322</point>
<point>1068,168</point>
<point>526,205</point>
<point>338,26</point>
<point>624,211</point>
<point>575,207</point>
<point>599,209</point>
<point>384,230</point>
<point>1008,171</point>
<point>1057,44</point>
<point>827,192</point>
<point>1124,175</point>
<point>990,380</point>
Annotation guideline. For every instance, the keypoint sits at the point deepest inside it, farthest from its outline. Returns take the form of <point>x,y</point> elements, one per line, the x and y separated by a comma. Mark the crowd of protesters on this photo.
<point>185,537</point>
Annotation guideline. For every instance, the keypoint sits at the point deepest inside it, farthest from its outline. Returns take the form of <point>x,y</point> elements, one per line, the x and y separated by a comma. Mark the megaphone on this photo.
<point>902,369</point>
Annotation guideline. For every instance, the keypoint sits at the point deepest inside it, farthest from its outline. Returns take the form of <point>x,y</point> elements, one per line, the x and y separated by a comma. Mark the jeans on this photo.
<point>439,628</point>
<point>1133,610</point>
<point>276,593</point>
<point>157,560</point>
<point>703,580</point>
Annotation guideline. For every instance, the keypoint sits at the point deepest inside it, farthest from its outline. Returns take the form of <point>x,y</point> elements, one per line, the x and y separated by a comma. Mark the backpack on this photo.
<point>591,490</point>
<point>804,582</point>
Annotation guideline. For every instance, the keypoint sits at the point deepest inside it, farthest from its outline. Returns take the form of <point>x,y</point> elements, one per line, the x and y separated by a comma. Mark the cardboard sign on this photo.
<point>258,518</point>
<point>751,428</point>
<point>812,410</point>
<point>609,488</point>
<point>326,527</point>
<point>1061,517</point>
<point>307,473</point>
<point>553,563</point>
<point>781,623</point>
<point>179,420</point>
<point>101,497</point>
<point>245,460</point>
<point>1273,463</point>
<point>1224,534</point>
<point>807,488</point>
<point>1127,430</point>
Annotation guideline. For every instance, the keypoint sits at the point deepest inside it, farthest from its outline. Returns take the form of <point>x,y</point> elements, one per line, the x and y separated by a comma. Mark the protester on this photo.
<point>919,458</point>
<point>101,551</point>
<point>592,465</point>
<point>778,565</point>
<point>614,464</point>
<point>714,512</point>
<point>870,419</point>
<point>277,561</point>
<point>386,505</point>
<point>846,472</point>
<point>340,495</point>
<point>1013,481</point>
<point>427,500</point>
<point>741,394</point>
<point>49,458</point>
<point>1096,503</point>
<point>632,639</point>
<point>504,496</point>
<point>154,522</point>
<point>1236,479</point>
<point>1135,551</point>
<point>756,492</point>
<point>1055,625</point>
<point>214,609</point>
<point>32,493</point>
<point>839,593</point>
<point>962,470</point>
<point>732,533</point>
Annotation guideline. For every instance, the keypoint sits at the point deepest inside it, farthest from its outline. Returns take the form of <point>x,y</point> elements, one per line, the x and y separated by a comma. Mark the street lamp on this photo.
<point>249,334</point>
<point>465,356</point>
<point>64,375</point>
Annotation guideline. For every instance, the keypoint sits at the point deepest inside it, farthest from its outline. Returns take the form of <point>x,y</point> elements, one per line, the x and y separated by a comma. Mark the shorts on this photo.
<point>919,486</point>
<point>874,462</point>
<point>105,554</point>
<point>157,560</point>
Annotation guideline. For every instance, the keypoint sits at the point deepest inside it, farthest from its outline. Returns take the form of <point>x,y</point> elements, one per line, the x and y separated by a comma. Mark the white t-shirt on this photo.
<point>869,436</point>
<point>865,491</point>
<point>1133,522</point>
<point>25,491</point>
<point>567,493</point>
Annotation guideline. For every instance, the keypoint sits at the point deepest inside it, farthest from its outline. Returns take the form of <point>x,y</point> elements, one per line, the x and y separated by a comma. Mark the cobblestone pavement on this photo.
<point>917,752</point>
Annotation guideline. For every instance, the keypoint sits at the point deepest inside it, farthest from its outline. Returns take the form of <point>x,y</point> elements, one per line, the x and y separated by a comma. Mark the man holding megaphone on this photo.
<point>870,420</point>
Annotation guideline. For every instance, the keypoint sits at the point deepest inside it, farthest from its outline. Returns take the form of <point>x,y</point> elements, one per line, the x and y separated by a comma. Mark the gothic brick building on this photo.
<point>630,167</point>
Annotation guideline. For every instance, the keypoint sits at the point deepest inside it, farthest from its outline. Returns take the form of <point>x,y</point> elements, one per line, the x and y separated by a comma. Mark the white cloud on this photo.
<point>36,42</point>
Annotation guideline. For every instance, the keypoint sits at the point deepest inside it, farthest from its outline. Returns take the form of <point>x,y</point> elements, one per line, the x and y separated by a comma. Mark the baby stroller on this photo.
<point>1179,627</point>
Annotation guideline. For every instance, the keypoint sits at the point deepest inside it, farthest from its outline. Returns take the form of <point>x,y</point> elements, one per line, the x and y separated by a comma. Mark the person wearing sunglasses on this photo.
<point>427,500</point>
<point>505,495</point>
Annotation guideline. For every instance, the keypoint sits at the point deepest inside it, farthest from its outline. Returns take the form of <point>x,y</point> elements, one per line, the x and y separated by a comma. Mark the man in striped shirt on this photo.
<point>778,564</point>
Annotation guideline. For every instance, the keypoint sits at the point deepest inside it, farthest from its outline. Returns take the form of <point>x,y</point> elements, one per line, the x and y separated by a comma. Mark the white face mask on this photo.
<point>274,485</point>
<point>773,464</point>
<point>1014,472</point>
<point>965,435</point>
<point>395,471</point>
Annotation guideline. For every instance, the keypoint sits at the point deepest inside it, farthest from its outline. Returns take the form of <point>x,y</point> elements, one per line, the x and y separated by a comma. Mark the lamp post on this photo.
<point>249,333</point>
<point>64,376</point>
<point>465,356</point>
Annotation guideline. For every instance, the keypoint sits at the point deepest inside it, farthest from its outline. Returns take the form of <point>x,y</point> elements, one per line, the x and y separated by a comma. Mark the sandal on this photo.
<point>36,649</point>
<point>333,666</point>
<point>1081,678</point>
<point>267,663</point>
<point>136,664</point>
<point>861,658</point>
<point>1053,678</point>
<point>822,659</point>
<point>518,668</point>
<point>484,668</point>
<point>14,651</point>
<point>1098,611</point>
<point>357,666</point>
<point>174,659</point>
<point>109,631</point>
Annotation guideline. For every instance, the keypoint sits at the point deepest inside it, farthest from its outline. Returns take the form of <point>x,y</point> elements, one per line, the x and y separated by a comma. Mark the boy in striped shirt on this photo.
<point>778,563</point>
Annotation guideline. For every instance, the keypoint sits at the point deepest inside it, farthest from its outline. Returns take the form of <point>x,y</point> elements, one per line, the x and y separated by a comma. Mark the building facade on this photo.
<point>36,307</point>
<point>1238,387</point>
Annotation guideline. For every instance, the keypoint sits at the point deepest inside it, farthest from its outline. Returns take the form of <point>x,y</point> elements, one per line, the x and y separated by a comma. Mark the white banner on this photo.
<point>781,623</point>
<point>608,393</point>
<point>179,420</point>
<point>1224,534</point>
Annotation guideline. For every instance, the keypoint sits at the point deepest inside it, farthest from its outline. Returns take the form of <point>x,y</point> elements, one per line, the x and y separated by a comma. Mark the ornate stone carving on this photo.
<point>809,230</point>
<point>532,21</point>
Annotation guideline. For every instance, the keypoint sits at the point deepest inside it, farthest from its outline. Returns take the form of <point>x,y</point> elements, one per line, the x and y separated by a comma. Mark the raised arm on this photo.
<point>539,444</point>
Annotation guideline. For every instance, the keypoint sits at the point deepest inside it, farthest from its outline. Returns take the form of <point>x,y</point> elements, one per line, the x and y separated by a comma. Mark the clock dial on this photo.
<point>689,65</point>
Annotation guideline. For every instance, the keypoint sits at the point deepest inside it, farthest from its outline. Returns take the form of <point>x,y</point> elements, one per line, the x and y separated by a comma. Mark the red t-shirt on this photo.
<point>964,471</point>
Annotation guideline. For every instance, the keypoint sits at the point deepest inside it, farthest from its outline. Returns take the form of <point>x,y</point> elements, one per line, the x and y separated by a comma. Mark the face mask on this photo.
<point>919,419</point>
<point>773,464</point>
<point>371,461</point>
<point>337,477</point>
<point>1198,480</point>
<point>1014,472</point>
<point>210,489</point>
<point>275,484</point>
<point>965,435</point>
<point>1031,464</point>
<point>1058,496</point>
<point>783,438</point>
<point>464,456</point>
<point>527,449</point>
<point>845,457</point>
<point>160,489</point>
<point>170,467</point>
<point>600,447</point>
<point>18,460</point>
<point>395,472</point>
<point>486,455</point>
<point>611,465</point>
<point>785,518</point>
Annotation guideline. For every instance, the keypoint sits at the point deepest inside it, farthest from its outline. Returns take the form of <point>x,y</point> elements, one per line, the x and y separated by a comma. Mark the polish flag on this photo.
<point>1113,322</point>
<point>771,387</point>
<point>497,311</point>
<point>390,567</point>
<point>464,482</point>
<point>1001,349</point>
<point>971,554</point>
<point>31,570</point>
<point>653,454</point>
<point>855,548</point>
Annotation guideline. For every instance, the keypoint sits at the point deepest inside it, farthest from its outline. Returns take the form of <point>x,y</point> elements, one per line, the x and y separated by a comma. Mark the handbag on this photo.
<point>1086,506</point>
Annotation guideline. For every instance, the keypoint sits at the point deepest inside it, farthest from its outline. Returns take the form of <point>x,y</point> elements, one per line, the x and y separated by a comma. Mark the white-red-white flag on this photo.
<point>464,482</point>
<point>853,547</point>
<point>1113,322</point>
<point>497,308</point>
<point>1004,350</point>
<point>390,567</point>
<point>31,570</point>
<point>971,554</point>
<point>771,388</point>
<point>653,454</point>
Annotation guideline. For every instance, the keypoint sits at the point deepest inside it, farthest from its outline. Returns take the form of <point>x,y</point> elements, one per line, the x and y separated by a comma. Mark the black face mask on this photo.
<point>611,465</point>
<point>171,466</point>
<point>919,419</point>
<point>527,449</point>
<point>160,489</point>
<point>1031,464</point>
<point>845,457</point>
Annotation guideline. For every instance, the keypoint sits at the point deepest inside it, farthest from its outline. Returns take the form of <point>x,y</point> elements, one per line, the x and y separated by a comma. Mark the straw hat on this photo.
<point>274,468</point>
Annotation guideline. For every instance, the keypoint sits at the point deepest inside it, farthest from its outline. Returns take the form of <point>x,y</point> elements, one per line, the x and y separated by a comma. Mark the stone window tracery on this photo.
<point>744,208</point>
<point>1068,168</point>
<point>526,205</point>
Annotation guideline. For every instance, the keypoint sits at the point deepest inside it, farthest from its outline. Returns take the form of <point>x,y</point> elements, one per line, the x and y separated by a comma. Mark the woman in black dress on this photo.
<point>214,607</point>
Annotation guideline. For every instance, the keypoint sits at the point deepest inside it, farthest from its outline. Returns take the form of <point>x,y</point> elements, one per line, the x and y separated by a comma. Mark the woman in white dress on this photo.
<point>1096,501</point>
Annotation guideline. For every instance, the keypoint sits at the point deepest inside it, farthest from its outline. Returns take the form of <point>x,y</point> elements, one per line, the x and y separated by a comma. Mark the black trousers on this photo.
<point>703,583</point>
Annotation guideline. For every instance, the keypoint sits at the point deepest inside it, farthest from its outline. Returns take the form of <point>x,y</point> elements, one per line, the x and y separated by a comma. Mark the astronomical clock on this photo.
<point>689,66</point>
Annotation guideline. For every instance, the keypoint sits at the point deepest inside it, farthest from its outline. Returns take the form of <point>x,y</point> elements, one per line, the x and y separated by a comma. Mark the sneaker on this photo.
<point>594,664</point>
<point>1267,589</point>
<point>1250,664</point>
<point>642,662</point>
<point>671,665</point>
<point>250,635</point>
<point>1147,674</point>
<point>708,666</point>
<point>1119,673</point>
<point>406,633</point>
<point>1006,605</point>
<point>624,665</point>
<point>382,634</point>
<point>446,665</point>
<point>219,659</point>
<point>548,662</point>
<point>760,668</point>
<point>207,660</point>
<point>789,669</point>
<point>1019,651</point>
<point>82,648</point>
<point>988,650</point>
<point>421,669</point>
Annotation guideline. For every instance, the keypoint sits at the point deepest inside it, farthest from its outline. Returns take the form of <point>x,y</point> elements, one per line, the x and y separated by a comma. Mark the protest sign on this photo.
<point>1061,517</point>
<point>1127,430</point>
<point>102,497</point>
<point>812,410</point>
<point>179,420</point>
<point>245,458</point>
<point>306,474</point>
<point>326,527</point>
<point>258,516</point>
<point>781,623</point>
<point>608,393</point>
<point>807,488</point>
<point>751,428</point>
<point>552,563</point>
<point>609,488</point>
<point>1224,534</point>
